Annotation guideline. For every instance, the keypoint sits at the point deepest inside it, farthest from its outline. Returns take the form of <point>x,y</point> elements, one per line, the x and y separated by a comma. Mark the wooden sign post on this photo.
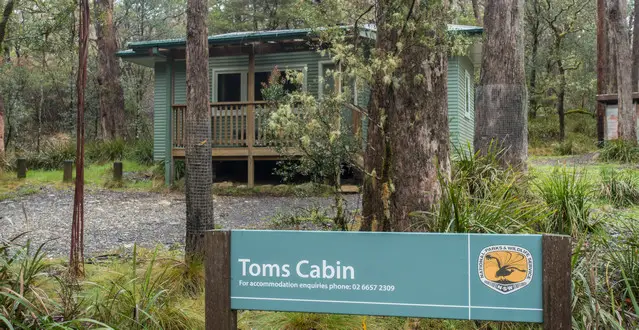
<point>519,278</point>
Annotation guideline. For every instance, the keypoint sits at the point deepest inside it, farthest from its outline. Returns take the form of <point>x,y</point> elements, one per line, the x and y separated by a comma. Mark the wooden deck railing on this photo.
<point>230,124</point>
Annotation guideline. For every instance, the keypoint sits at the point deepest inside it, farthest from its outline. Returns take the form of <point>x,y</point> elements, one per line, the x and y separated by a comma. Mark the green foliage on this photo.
<point>317,128</point>
<point>23,304</point>
<point>141,152</point>
<point>620,151</point>
<point>569,197</point>
<point>140,299</point>
<point>543,135</point>
<point>482,197</point>
<point>105,151</point>
<point>52,155</point>
<point>270,320</point>
<point>310,219</point>
<point>619,187</point>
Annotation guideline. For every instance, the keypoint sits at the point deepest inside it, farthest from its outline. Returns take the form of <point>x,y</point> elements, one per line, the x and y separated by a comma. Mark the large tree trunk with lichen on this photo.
<point>408,139</point>
<point>110,89</point>
<point>199,174</point>
<point>618,33</point>
<point>502,98</point>
<point>6,14</point>
<point>635,49</point>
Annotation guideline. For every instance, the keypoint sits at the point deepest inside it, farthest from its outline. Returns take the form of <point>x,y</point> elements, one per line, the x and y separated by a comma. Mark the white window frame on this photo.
<point>243,81</point>
<point>469,85</point>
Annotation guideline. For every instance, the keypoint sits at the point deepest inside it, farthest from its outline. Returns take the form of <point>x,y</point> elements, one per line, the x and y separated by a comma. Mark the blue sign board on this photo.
<point>431,275</point>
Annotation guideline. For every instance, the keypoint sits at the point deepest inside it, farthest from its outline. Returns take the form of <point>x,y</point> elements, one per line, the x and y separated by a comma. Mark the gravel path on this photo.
<point>116,219</point>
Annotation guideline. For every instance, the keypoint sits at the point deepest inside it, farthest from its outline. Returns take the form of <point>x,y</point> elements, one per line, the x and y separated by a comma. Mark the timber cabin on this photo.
<point>240,62</point>
<point>611,119</point>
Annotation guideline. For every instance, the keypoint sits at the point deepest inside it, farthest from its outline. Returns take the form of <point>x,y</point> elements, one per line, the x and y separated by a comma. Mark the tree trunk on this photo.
<point>413,143</point>
<point>561,101</point>
<point>476,11</point>
<point>502,98</point>
<point>620,50</point>
<point>199,175</point>
<point>603,75</point>
<point>6,14</point>
<point>110,89</point>
<point>76,254</point>
<point>635,49</point>
<point>533,72</point>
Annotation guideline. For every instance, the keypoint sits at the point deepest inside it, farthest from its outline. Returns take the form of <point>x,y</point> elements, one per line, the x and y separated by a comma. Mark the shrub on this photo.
<point>568,196</point>
<point>312,218</point>
<point>620,151</point>
<point>52,155</point>
<point>619,187</point>
<point>105,151</point>
<point>481,196</point>
<point>142,152</point>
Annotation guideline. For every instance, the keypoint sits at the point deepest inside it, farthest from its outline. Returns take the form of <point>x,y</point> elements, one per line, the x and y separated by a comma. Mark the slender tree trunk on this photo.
<point>561,101</point>
<point>635,49</point>
<point>412,146</point>
<point>533,74</point>
<point>6,14</point>
<point>476,11</point>
<point>602,68</point>
<point>76,255</point>
<point>199,175</point>
<point>110,89</point>
<point>620,50</point>
<point>502,99</point>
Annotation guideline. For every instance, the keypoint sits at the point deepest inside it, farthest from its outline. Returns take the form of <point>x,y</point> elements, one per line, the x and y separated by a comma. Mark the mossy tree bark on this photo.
<point>635,48</point>
<point>199,175</point>
<point>618,34</point>
<point>502,98</point>
<point>4,21</point>
<point>408,139</point>
<point>110,88</point>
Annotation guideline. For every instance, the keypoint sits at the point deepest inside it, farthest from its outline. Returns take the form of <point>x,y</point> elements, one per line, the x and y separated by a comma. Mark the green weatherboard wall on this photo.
<point>394,274</point>
<point>170,88</point>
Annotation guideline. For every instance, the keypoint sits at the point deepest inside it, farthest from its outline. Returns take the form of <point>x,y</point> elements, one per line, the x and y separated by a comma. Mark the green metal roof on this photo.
<point>138,48</point>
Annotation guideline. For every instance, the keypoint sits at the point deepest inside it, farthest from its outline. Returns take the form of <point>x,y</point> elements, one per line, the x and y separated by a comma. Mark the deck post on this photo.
<point>250,125</point>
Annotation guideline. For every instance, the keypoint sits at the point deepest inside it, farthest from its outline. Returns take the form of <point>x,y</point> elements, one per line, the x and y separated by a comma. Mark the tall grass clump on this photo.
<point>568,196</point>
<point>105,151</point>
<point>142,299</point>
<point>141,152</point>
<point>619,187</point>
<point>482,196</point>
<point>52,155</point>
<point>620,151</point>
<point>24,304</point>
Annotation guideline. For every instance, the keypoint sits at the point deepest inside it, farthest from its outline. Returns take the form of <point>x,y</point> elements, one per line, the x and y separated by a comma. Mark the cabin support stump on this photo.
<point>67,176</point>
<point>219,315</point>
<point>117,171</point>
<point>22,168</point>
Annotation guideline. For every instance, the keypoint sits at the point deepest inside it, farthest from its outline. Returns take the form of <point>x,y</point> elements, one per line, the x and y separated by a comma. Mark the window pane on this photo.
<point>260,78</point>
<point>229,87</point>
<point>329,83</point>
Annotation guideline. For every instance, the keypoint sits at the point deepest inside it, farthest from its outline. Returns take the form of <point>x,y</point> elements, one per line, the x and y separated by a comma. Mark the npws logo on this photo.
<point>505,268</point>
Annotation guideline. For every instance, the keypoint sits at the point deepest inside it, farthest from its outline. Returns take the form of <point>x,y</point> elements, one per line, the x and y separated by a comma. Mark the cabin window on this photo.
<point>328,82</point>
<point>261,79</point>
<point>469,95</point>
<point>229,87</point>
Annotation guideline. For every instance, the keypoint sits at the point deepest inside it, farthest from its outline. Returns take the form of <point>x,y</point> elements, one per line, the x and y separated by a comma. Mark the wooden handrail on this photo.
<point>214,104</point>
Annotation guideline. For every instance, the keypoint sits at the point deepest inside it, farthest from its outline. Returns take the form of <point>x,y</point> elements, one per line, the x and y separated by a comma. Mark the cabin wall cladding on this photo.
<point>161,108</point>
<point>465,129</point>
